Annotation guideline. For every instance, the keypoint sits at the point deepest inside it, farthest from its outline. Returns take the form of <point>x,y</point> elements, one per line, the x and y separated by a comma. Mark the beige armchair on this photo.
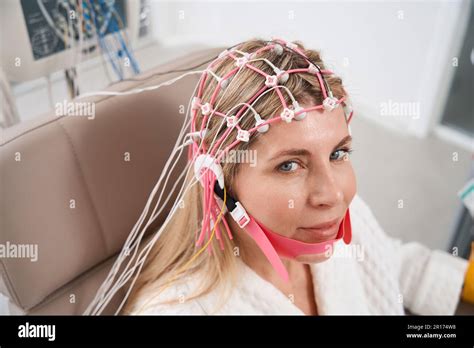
<point>67,187</point>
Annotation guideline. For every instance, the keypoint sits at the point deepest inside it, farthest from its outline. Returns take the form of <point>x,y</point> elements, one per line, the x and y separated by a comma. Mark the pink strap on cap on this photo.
<point>255,231</point>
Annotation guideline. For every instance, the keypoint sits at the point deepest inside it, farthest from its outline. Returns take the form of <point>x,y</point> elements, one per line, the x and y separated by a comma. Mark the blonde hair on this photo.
<point>176,246</point>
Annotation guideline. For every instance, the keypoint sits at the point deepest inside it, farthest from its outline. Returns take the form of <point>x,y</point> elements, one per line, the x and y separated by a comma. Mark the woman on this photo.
<point>276,248</point>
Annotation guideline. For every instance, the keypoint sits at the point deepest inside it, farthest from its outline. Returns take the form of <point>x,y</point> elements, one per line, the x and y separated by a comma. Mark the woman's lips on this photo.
<point>323,232</point>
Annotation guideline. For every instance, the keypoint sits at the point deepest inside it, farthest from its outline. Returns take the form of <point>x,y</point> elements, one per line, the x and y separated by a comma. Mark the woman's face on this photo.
<point>302,177</point>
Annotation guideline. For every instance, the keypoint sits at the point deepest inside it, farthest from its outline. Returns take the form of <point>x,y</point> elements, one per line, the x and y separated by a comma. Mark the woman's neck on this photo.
<point>299,289</point>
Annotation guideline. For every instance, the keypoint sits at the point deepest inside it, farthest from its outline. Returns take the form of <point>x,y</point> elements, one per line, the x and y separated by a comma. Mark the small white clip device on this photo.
<point>287,115</point>
<point>243,135</point>
<point>240,215</point>
<point>205,161</point>
<point>206,109</point>
<point>271,81</point>
<point>330,103</point>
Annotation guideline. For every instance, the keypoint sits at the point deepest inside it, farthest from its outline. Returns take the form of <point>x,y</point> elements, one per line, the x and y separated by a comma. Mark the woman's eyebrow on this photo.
<point>304,152</point>
<point>343,141</point>
<point>292,152</point>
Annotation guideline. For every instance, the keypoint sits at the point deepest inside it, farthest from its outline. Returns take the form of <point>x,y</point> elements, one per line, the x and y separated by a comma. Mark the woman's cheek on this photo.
<point>348,183</point>
<point>281,206</point>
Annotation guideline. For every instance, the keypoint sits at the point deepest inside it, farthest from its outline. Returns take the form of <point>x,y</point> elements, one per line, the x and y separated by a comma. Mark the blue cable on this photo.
<point>118,34</point>
<point>133,61</point>
<point>103,44</point>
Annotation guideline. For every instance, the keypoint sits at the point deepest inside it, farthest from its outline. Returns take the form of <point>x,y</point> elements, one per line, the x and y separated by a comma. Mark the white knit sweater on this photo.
<point>385,277</point>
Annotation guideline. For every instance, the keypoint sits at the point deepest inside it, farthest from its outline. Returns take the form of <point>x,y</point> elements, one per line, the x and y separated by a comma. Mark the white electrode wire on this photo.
<point>153,215</point>
<point>145,212</point>
<point>127,249</point>
<point>178,200</point>
<point>151,219</point>
<point>266,60</point>
<point>175,209</point>
<point>49,20</point>
<point>181,137</point>
<point>178,141</point>
<point>166,83</point>
<point>141,259</point>
<point>139,90</point>
<point>126,276</point>
<point>207,125</point>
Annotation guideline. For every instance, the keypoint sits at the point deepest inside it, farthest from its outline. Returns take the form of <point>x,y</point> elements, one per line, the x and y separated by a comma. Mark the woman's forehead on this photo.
<point>318,130</point>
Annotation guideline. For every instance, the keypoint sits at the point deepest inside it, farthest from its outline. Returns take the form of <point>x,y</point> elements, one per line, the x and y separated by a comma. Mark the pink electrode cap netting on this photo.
<point>207,160</point>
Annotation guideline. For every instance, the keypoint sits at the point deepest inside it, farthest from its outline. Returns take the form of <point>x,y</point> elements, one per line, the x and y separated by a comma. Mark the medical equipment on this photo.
<point>52,35</point>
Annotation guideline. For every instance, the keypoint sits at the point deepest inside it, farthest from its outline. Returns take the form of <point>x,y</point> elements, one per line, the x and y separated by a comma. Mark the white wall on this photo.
<point>398,51</point>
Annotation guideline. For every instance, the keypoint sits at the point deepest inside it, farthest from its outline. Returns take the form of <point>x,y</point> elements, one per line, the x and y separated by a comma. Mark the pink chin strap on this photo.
<point>274,245</point>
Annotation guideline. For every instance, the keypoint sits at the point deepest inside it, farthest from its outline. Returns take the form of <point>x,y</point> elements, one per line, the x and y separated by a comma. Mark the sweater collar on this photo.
<point>336,282</point>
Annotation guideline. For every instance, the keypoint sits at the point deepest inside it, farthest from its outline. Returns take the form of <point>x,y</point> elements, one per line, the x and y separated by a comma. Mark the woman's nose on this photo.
<point>325,190</point>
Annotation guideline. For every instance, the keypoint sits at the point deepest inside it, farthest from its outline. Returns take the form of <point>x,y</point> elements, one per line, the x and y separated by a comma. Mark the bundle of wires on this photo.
<point>131,259</point>
<point>105,18</point>
<point>97,18</point>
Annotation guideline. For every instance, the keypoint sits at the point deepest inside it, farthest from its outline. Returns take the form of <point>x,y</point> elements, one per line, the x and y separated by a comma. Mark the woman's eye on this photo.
<point>288,167</point>
<point>340,154</point>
